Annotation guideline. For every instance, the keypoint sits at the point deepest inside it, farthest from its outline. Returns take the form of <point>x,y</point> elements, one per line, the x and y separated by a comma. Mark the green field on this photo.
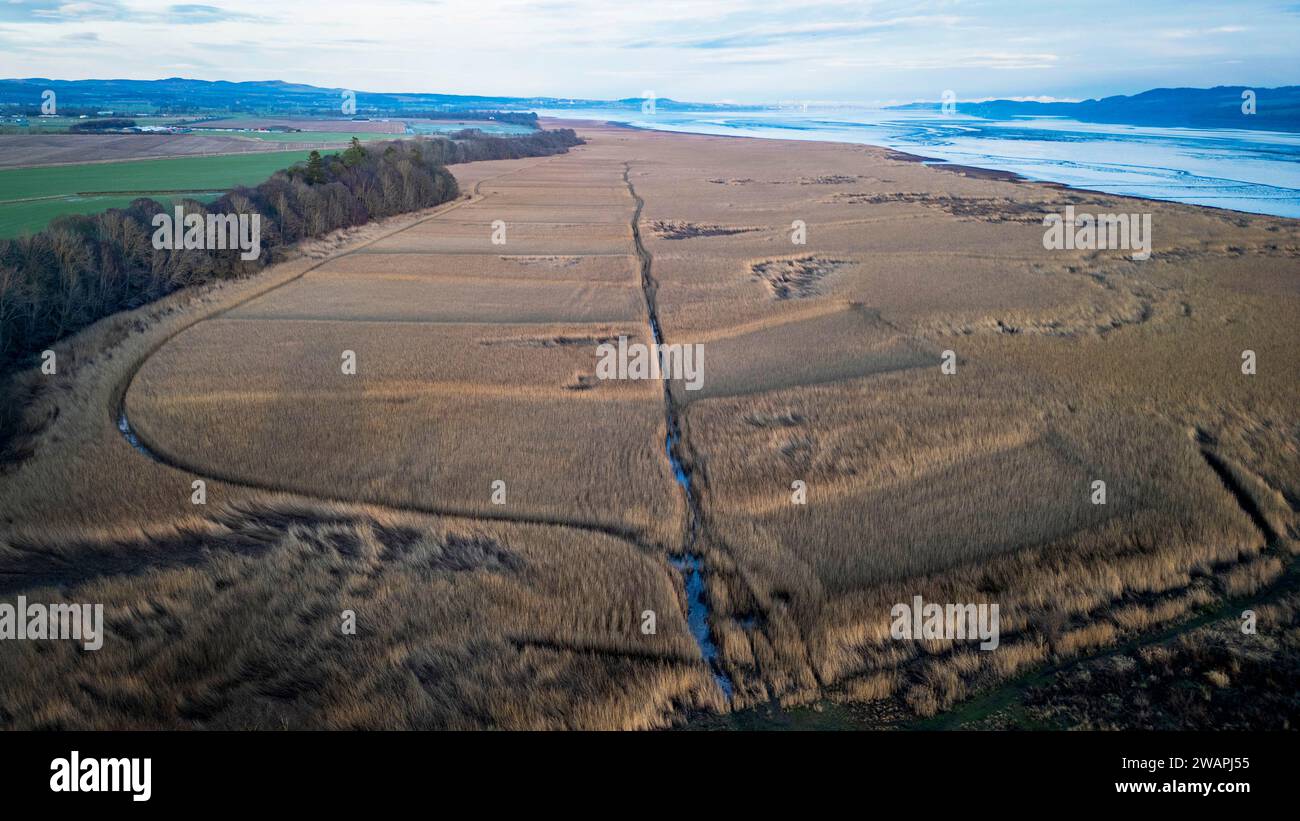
<point>31,197</point>
<point>29,217</point>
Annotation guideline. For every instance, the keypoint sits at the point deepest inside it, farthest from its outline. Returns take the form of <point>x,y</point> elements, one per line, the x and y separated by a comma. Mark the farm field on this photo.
<point>34,196</point>
<point>313,129</point>
<point>333,137</point>
<point>26,150</point>
<point>30,216</point>
<point>514,517</point>
<point>379,129</point>
<point>305,124</point>
<point>170,174</point>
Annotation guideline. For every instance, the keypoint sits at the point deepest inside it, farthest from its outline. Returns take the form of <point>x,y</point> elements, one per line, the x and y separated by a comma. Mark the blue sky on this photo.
<point>707,50</point>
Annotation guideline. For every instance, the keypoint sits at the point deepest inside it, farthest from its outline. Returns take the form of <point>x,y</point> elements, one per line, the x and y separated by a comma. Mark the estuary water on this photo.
<point>1240,169</point>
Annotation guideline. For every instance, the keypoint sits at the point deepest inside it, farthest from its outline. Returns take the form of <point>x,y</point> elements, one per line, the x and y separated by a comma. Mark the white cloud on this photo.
<point>687,49</point>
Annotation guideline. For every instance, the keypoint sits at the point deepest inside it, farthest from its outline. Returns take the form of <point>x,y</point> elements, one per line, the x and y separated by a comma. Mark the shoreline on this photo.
<point>977,172</point>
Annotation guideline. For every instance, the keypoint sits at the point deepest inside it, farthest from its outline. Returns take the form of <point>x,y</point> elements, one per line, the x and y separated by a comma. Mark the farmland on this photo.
<point>332,137</point>
<point>79,149</point>
<point>33,196</point>
<point>45,175</point>
<point>29,216</point>
<point>390,127</point>
<point>373,490</point>
<point>377,129</point>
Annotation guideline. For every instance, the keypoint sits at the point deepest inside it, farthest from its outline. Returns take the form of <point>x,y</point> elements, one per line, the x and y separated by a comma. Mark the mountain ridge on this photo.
<point>1275,109</point>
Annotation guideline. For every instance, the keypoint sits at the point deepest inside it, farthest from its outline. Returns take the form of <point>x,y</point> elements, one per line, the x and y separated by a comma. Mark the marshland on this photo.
<point>522,604</point>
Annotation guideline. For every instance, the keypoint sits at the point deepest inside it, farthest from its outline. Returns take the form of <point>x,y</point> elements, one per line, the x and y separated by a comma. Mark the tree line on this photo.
<point>96,126</point>
<point>84,267</point>
<point>528,118</point>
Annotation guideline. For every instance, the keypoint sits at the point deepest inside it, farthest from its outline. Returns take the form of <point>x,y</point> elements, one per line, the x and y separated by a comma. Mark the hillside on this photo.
<point>1276,109</point>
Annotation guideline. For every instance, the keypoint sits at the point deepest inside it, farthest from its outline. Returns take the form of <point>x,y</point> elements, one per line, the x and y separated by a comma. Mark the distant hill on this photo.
<point>181,96</point>
<point>1276,109</point>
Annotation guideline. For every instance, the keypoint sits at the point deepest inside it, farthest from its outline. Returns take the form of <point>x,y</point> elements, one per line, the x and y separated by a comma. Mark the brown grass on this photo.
<point>236,622</point>
<point>1073,367</point>
<point>966,488</point>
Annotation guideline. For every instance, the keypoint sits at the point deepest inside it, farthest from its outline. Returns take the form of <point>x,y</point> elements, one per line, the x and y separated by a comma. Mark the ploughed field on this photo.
<point>501,520</point>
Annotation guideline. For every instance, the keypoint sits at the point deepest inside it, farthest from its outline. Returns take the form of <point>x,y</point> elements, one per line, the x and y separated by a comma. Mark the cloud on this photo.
<point>198,14</point>
<point>55,11</point>
<point>754,50</point>
<point>776,33</point>
<point>995,60</point>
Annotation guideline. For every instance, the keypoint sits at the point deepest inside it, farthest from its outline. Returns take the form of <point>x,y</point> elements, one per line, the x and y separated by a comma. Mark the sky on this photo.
<point>815,51</point>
